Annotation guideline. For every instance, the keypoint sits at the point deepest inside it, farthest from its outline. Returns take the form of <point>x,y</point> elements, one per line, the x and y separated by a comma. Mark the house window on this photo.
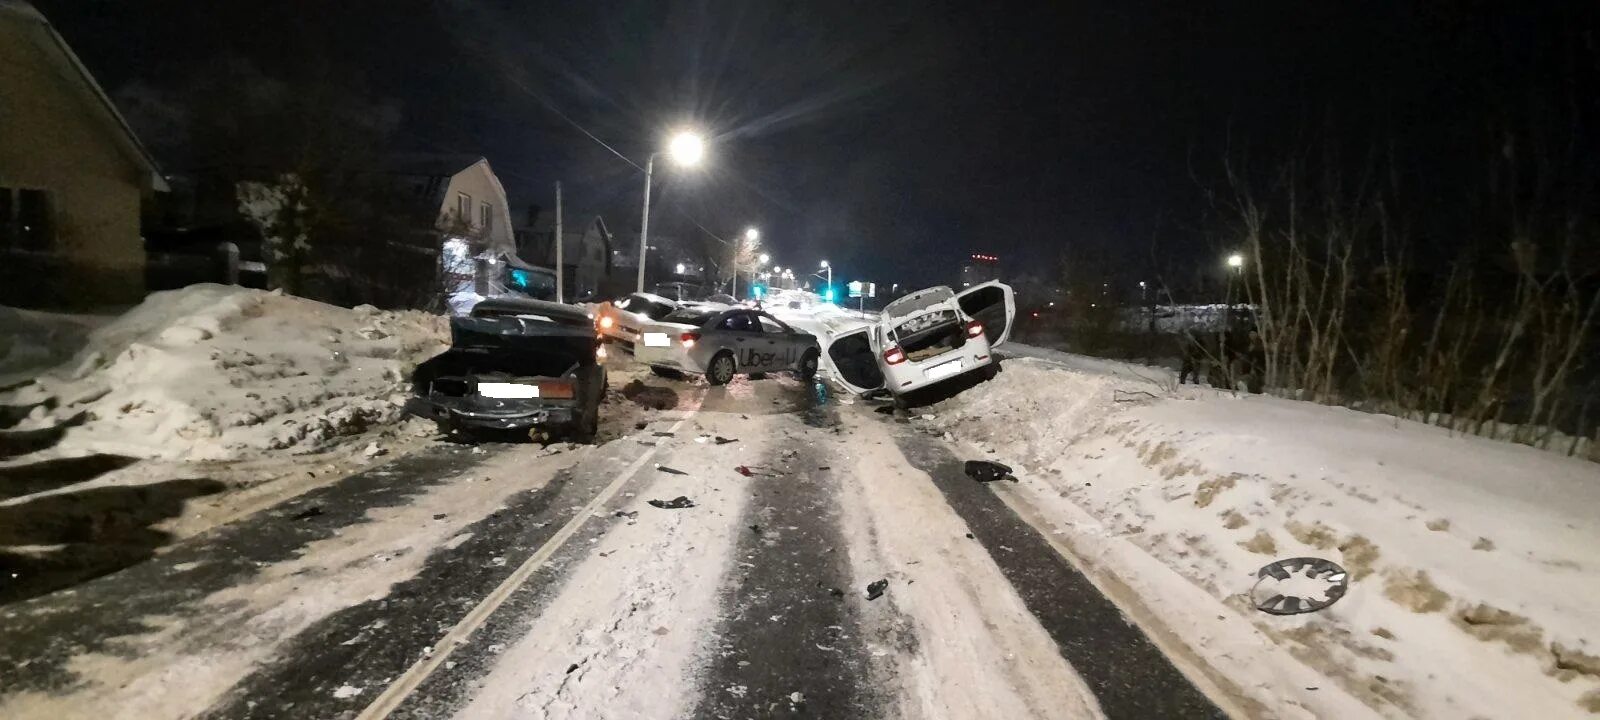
<point>485,216</point>
<point>26,219</point>
<point>464,207</point>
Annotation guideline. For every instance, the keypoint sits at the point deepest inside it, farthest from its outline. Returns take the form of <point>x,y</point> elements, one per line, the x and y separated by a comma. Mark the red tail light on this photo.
<point>559,389</point>
<point>894,355</point>
<point>974,329</point>
<point>689,339</point>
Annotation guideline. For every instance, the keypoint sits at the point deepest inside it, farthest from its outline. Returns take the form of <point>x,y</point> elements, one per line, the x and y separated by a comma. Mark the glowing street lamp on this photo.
<point>680,268</point>
<point>686,149</point>
<point>828,296</point>
<point>1236,261</point>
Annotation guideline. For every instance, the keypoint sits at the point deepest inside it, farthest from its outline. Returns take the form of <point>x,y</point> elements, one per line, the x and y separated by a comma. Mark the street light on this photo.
<point>1236,261</point>
<point>829,268</point>
<point>680,268</point>
<point>762,260</point>
<point>686,148</point>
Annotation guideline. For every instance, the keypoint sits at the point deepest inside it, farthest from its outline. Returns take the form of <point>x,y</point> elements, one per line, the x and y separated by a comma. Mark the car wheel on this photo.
<point>721,370</point>
<point>808,365</point>
<point>667,373</point>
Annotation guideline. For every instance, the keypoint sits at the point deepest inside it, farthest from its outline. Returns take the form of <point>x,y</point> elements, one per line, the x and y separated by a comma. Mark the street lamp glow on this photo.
<point>1236,260</point>
<point>680,268</point>
<point>824,263</point>
<point>686,148</point>
<point>763,259</point>
<point>752,234</point>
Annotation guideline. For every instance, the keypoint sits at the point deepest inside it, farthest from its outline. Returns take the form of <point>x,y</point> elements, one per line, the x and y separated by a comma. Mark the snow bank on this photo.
<point>1472,562</point>
<point>219,372</point>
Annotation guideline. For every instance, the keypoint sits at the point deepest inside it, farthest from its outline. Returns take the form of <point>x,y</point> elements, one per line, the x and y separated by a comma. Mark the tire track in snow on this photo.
<point>1128,674</point>
<point>791,638</point>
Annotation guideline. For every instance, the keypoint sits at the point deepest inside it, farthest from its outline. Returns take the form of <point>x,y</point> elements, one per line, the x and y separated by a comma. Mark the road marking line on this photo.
<point>413,677</point>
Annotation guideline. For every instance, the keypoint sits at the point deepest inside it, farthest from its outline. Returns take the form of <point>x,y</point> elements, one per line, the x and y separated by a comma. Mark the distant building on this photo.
<point>477,245</point>
<point>979,268</point>
<point>585,251</point>
<point>73,177</point>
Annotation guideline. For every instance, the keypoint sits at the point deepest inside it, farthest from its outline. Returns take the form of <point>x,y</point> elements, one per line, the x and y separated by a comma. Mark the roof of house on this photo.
<point>67,62</point>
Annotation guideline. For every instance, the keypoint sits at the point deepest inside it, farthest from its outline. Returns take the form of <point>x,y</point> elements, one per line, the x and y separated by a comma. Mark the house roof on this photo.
<point>67,62</point>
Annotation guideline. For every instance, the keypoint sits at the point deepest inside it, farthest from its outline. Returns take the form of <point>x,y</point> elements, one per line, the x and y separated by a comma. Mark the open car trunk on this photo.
<point>930,334</point>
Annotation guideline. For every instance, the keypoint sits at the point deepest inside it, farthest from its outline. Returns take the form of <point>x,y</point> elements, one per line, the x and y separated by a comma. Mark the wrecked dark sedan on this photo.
<point>515,364</point>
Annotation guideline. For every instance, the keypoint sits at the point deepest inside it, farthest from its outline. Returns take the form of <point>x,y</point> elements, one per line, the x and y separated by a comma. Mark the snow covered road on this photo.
<point>509,581</point>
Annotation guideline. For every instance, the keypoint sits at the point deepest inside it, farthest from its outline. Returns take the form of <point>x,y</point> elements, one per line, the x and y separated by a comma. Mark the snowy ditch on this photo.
<point>1471,562</point>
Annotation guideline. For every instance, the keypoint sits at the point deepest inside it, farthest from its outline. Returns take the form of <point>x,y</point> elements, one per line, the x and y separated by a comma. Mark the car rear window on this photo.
<point>644,306</point>
<point>684,316</point>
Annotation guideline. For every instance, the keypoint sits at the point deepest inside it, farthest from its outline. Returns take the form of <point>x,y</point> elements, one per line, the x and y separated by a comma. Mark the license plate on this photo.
<point>656,340</point>
<point>943,370</point>
<point>507,391</point>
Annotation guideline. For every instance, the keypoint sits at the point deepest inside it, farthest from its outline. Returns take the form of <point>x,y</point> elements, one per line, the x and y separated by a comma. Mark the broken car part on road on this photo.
<point>1298,585</point>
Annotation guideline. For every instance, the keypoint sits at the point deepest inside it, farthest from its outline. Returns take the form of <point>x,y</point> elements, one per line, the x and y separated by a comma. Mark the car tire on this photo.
<point>667,373</point>
<point>808,365</point>
<point>722,369</point>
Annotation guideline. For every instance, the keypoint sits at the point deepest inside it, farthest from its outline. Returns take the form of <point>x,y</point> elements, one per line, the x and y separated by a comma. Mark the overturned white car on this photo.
<point>924,338</point>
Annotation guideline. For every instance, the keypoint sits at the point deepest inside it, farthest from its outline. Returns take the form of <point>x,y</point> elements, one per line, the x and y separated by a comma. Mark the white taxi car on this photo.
<point>924,338</point>
<point>619,322</point>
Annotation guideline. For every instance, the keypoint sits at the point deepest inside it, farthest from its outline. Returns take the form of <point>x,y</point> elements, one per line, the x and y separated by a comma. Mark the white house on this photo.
<point>478,240</point>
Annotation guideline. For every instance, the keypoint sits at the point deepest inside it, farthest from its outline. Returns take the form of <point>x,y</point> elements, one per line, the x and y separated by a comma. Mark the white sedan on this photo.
<point>619,322</point>
<point>924,338</point>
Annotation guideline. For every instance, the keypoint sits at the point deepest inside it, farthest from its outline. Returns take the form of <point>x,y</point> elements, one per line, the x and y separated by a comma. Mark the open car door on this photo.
<point>854,357</point>
<point>993,304</point>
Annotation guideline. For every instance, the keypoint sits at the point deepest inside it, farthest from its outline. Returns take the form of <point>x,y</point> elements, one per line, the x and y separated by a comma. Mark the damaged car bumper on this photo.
<point>488,414</point>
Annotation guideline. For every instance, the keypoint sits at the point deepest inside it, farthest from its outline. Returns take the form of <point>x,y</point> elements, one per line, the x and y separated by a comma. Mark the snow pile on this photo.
<point>1472,562</point>
<point>219,372</point>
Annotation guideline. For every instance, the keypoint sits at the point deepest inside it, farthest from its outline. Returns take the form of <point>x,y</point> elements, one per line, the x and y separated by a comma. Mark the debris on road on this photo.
<point>309,512</point>
<point>720,440</point>
<point>985,471</point>
<point>1298,585</point>
<point>629,514</point>
<point>373,451</point>
<point>664,433</point>
<point>753,470</point>
<point>875,589</point>
<point>678,503</point>
<point>669,470</point>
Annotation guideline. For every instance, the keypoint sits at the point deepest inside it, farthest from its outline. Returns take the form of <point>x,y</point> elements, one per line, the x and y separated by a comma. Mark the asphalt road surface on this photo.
<point>506,580</point>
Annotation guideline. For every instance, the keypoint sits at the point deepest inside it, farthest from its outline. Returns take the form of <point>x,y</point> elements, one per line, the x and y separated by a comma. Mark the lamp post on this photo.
<point>829,268</point>
<point>686,149</point>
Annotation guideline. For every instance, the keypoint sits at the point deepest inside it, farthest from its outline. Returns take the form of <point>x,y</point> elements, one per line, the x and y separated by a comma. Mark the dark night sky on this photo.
<point>890,137</point>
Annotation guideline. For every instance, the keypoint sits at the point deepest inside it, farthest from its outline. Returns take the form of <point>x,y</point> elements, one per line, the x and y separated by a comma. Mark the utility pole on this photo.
<point>644,223</point>
<point>561,268</point>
